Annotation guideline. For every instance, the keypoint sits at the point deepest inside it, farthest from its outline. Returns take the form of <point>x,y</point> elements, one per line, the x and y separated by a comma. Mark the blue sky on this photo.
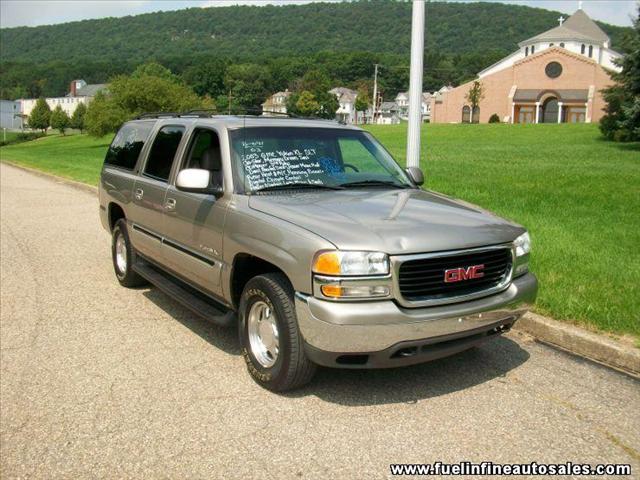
<point>43,12</point>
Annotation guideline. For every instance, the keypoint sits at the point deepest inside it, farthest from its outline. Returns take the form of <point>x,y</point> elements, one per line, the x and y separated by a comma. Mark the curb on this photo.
<point>576,340</point>
<point>56,178</point>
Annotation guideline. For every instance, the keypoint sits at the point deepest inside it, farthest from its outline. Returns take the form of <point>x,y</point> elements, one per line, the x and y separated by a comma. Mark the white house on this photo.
<point>276,103</point>
<point>10,117</point>
<point>578,34</point>
<point>388,114</point>
<point>79,92</point>
<point>347,104</point>
<point>402,100</point>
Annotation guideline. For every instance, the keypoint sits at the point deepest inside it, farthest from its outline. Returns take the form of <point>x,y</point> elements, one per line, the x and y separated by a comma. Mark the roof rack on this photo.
<point>211,112</point>
<point>157,115</point>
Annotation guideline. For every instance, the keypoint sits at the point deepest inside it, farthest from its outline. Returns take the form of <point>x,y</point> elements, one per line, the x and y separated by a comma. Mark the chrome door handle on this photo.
<point>138,194</point>
<point>170,204</point>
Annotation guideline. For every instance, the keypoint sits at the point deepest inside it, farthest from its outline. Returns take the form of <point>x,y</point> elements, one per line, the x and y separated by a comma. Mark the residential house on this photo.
<point>346,97</point>
<point>79,92</point>
<point>402,100</point>
<point>276,104</point>
<point>10,116</point>
<point>388,114</point>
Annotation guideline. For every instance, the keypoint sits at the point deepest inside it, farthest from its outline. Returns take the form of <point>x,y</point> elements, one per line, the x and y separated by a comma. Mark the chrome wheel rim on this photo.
<point>263,334</point>
<point>121,254</point>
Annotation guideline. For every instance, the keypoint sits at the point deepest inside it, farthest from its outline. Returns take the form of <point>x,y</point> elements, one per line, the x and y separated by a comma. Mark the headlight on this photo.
<point>522,244</point>
<point>351,263</point>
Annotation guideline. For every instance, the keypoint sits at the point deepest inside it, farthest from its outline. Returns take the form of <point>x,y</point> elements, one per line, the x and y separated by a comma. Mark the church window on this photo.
<point>553,70</point>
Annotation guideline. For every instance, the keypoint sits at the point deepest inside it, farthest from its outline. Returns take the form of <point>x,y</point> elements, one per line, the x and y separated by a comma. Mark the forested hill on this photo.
<point>248,33</point>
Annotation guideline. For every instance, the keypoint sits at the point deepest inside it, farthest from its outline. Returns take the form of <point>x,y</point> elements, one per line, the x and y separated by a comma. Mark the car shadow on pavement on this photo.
<point>491,360</point>
<point>224,338</point>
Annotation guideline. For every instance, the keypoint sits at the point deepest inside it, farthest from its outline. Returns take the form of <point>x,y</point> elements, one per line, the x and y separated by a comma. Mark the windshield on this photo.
<point>270,158</point>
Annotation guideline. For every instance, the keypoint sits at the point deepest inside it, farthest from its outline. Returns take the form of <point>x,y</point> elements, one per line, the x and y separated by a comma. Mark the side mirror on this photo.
<point>415,175</point>
<point>197,180</point>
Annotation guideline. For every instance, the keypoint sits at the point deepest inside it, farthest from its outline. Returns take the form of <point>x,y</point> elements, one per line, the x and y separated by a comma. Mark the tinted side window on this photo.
<point>125,148</point>
<point>162,152</point>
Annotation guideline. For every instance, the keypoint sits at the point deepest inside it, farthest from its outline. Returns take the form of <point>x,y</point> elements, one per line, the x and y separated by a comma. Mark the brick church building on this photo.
<point>554,77</point>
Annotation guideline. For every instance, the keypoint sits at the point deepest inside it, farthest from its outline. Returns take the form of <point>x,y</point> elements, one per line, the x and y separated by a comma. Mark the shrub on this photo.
<point>22,137</point>
<point>494,118</point>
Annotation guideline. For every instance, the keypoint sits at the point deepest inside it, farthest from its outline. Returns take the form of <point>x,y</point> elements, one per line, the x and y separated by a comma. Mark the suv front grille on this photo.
<point>423,279</point>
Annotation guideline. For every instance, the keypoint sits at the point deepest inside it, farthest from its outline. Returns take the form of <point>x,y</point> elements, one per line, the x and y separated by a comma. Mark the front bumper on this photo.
<point>382,334</point>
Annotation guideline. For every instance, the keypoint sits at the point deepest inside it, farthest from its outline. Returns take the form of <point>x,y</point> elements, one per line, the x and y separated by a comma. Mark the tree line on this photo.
<point>245,33</point>
<point>343,40</point>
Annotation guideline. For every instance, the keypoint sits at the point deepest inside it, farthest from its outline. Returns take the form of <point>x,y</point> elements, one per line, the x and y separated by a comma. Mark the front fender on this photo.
<point>287,246</point>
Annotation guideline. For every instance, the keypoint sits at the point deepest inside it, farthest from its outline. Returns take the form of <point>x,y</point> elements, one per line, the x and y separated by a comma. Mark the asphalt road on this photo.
<point>98,381</point>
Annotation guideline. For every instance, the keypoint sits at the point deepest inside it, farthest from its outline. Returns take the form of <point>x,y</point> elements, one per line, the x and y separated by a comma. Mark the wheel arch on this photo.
<point>246,266</point>
<point>115,212</point>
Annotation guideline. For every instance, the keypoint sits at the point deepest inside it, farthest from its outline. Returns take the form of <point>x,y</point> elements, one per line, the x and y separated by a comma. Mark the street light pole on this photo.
<point>415,84</point>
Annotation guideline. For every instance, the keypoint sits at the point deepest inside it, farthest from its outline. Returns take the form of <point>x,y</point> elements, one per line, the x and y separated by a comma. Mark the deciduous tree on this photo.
<point>104,115</point>
<point>150,88</point>
<point>475,95</point>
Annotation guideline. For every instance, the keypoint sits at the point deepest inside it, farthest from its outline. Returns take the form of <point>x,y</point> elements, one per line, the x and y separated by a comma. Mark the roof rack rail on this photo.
<point>157,115</point>
<point>210,112</point>
<point>200,112</point>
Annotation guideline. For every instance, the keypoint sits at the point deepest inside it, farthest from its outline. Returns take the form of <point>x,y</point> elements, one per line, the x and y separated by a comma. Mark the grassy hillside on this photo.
<point>576,193</point>
<point>252,32</point>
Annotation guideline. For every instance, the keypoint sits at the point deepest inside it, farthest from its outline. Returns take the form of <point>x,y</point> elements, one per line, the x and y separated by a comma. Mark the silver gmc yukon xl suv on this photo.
<point>309,237</point>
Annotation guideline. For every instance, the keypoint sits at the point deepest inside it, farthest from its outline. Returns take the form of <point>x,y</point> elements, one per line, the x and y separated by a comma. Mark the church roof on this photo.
<point>577,27</point>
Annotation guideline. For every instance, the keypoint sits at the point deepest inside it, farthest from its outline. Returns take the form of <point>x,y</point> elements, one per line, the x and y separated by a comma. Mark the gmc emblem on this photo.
<point>458,274</point>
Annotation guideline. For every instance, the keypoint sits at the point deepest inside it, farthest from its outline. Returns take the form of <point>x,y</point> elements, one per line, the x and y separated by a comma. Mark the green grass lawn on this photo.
<point>578,195</point>
<point>78,157</point>
<point>7,135</point>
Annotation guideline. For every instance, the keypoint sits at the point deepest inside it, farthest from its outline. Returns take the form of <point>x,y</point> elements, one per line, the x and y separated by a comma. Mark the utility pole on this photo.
<point>415,84</point>
<point>229,103</point>
<point>374,107</point>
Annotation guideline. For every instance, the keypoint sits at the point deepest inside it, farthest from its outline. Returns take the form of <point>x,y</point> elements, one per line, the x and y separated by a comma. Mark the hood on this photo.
<point>392,221</point>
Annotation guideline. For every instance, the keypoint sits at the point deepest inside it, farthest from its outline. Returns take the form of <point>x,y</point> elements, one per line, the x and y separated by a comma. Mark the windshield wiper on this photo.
<point>375,183</point>
<point>298,186</point>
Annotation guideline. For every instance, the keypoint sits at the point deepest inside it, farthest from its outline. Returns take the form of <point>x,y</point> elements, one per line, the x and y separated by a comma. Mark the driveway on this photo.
<point>100,381</point>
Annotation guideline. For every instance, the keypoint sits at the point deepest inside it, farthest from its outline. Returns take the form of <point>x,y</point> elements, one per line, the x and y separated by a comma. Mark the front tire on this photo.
<point>123,256</point>
<point>271,342</point>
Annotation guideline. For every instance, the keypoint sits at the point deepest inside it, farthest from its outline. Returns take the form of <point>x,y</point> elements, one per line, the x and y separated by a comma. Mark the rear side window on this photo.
<point>127,144</point>
<point>163,152</point>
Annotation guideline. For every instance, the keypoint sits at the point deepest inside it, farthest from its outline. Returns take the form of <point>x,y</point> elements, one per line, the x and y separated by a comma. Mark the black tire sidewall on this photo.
<point>259,290</point>
<point>129,278</point>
